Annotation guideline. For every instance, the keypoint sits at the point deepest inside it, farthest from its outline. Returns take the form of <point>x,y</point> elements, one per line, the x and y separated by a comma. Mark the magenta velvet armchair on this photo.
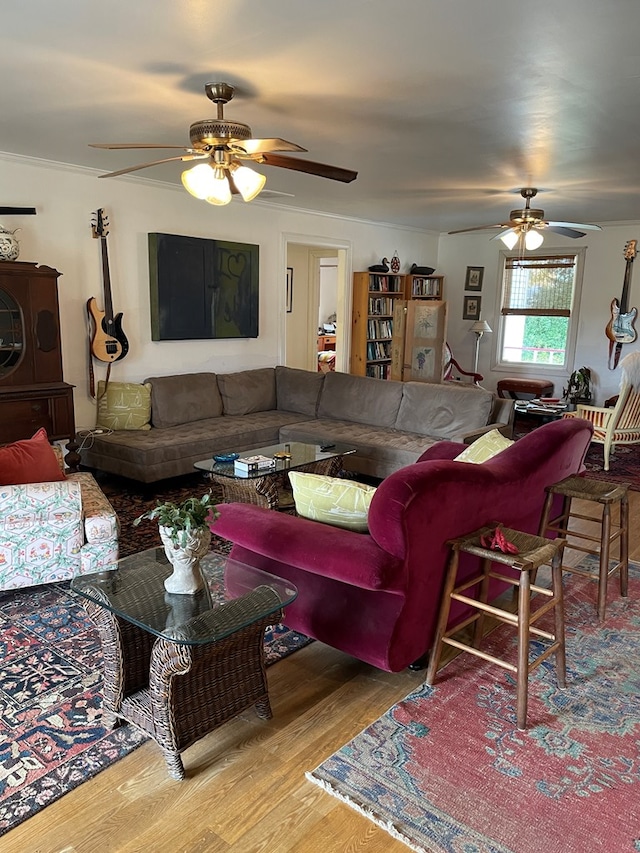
<point>376,596</point>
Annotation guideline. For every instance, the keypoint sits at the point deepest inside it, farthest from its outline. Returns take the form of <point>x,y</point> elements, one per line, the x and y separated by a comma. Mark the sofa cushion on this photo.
<point>124,405</point>
<point>485,447</point>
<point>298,390</point>
<point>183,399</point>
<point>443,409</point>
<point>31,460</point>
<point>248,391</point>
<point>360,399</point>
<point>331,500</point>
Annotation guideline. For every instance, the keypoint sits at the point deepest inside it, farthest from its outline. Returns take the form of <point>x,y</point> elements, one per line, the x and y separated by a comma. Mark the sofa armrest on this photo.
<point>352,558</point>
<point>470,437</point>
<point>442,450</point>
<point>100,520</point>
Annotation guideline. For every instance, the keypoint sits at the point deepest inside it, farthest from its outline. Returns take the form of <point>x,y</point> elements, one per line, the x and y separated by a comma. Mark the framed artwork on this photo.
<point>471,310</point>
<point>202,288</point>
<point>289,290</point>
<point>473,280</point>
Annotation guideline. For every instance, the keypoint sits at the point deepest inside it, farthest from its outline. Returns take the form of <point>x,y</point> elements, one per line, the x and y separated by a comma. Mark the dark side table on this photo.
<point>178,666</point>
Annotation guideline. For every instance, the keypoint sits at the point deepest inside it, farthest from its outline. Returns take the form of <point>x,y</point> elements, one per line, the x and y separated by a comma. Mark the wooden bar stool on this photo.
<point>607,495</point>
<point>533,552</point>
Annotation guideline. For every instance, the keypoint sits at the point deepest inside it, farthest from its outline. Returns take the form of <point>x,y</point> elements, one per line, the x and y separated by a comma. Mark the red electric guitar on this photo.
<point>621,327</point>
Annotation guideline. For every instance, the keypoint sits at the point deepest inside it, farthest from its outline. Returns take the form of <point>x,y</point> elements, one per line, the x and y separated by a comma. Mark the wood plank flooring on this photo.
<point>245,790</point>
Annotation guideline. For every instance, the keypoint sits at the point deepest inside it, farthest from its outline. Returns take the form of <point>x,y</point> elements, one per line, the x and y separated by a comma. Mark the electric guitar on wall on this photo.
<point>621,327</point>
<point>108,341</point>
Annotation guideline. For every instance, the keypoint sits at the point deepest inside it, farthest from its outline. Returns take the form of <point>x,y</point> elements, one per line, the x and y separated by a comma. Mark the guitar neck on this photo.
<point>624,299</point>
<point>108,304</point>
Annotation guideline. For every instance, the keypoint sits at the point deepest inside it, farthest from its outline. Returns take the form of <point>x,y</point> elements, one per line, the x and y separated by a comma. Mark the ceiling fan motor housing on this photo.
<point>215,131</point>
<point>527,214</point>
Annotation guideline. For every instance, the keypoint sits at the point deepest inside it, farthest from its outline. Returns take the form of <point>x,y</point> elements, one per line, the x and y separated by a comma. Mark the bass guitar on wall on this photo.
<point>621,327</point>
<point>108,341</point>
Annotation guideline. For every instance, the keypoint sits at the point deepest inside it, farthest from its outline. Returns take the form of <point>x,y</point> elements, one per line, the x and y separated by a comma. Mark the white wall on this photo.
<point>60,236</point>
<point>603,277</point>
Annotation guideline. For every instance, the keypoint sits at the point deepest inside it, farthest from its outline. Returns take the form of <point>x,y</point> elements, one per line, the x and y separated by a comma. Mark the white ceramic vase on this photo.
<point>187,577</point>
<point>9,246</point>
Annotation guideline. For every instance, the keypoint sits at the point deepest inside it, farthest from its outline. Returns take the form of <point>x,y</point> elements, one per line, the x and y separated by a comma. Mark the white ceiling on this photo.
<point>444,107</point>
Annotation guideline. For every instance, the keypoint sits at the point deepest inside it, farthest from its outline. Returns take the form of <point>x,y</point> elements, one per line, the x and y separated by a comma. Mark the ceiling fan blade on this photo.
<point>322,170</point>
<point>260,146</point>
<point>579,226</point>
<point>480,228</point>
<point>502,233</point>
<point>185,157</point>
<point>564,231</point>
<point>116,145</point>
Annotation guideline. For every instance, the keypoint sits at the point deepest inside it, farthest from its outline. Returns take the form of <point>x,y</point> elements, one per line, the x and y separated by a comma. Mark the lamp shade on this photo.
<point>481,326</point>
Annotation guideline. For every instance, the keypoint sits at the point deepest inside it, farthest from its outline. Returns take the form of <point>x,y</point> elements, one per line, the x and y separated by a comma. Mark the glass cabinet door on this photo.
<point>11,333</point>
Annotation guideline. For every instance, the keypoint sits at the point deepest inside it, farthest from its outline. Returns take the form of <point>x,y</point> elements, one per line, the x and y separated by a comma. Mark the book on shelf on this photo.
<point>245,464</point>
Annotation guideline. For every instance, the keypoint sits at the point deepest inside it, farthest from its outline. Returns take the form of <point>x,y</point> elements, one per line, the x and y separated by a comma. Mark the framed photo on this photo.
<point>471,310</point>
<point>473,280</point>
<point>289,298</point>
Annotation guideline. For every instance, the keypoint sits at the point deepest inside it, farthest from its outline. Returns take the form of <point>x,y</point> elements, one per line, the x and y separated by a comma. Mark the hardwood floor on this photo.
<point>246,790</point>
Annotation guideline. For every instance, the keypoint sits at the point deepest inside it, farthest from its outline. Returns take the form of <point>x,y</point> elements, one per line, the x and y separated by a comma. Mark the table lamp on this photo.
<point>479,327</point>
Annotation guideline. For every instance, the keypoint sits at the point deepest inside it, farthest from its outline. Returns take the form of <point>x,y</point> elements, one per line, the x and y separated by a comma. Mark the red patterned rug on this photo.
<point>624,465</point>
<point>447,771</point>
<point>51,735</point>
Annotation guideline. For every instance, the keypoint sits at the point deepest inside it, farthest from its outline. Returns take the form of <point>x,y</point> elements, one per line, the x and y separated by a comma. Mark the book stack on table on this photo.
<point>250,464</point>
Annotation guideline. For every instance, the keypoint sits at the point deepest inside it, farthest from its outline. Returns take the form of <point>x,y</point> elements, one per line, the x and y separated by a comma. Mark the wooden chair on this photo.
<point>620,425</point>
<point>450,364</point>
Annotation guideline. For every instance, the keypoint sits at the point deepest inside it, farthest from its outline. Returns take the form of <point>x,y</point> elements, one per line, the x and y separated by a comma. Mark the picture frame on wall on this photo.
<point>289,295</point>
<point>471,309</point>
<point>474,278</point>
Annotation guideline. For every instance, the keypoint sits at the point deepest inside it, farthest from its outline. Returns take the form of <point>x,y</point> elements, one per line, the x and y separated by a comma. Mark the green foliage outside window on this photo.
<point>545,333</point>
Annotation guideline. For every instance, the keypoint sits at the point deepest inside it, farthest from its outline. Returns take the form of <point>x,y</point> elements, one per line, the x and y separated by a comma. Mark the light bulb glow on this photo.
<point>510,238</point>
<point>249,182</point>
<point>219,191</point>
<point>199,180</point>
<point>533,239</point>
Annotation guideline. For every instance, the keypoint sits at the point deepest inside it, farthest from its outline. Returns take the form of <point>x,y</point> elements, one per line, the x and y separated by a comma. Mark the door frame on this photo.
<point>317,248</point>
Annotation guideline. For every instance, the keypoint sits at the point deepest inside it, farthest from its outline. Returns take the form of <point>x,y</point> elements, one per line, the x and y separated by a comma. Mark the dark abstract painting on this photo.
<point>202,288</point>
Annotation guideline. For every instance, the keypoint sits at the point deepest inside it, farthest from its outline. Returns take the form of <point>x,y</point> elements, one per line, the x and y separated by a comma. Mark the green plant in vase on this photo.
<point>186,536</point>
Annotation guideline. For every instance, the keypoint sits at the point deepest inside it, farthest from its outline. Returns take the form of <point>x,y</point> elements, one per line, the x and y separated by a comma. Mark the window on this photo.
<point>539,307</point>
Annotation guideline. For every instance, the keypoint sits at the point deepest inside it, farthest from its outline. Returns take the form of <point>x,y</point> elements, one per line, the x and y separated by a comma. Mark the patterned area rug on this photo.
<point>51,737</point>
<point>624,465</point>
<point>447,770</point>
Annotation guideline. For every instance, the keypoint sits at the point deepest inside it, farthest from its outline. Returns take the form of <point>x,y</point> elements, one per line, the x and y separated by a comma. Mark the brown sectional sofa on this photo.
<point>390,424</point>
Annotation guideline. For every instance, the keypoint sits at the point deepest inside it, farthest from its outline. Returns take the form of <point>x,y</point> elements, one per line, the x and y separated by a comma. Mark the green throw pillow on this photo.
<point>124,405</point>
<point>485,447</point>
<point>342,503</point>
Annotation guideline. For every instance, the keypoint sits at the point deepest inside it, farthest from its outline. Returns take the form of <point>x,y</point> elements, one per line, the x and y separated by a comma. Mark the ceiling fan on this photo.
<point>221,145</point>
<point>527,223</point>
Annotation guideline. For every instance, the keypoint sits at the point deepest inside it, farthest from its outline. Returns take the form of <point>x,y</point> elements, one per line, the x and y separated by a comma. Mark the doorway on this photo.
<point>317,273</point>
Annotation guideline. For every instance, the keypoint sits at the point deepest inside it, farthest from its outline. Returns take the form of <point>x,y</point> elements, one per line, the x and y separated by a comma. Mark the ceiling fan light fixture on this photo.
<point>510,238</point>
<point>533,239</point>
<point>198,180</point>
<point>248,182</point>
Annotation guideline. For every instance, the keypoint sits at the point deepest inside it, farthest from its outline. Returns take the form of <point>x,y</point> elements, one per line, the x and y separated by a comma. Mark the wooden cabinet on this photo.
<point>425,287</point>
<point>33,393</point>
<point>326,343</point>
<point>374,295</point>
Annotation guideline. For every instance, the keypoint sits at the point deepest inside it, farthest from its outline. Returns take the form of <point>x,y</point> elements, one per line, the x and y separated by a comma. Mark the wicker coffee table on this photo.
<point>178,666</point>
<point>270,487</point>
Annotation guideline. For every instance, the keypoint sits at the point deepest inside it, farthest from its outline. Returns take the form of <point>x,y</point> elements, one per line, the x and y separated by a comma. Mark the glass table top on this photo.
<point>301,454</point>
<point>234,596</point>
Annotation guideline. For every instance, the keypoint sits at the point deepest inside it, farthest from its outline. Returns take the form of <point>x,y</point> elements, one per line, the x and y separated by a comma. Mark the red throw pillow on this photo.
<point>31,460</point>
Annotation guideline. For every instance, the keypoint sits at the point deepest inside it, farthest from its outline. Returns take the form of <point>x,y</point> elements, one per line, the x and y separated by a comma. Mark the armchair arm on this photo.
<point>597,415</point>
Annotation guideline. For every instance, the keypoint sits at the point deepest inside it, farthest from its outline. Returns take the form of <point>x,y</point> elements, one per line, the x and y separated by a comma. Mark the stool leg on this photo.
<point>558,614</point>
<point>483,597</point>
<point>546,511</point>
<point>443,617</point>
<point>524,606</point>
<point>605,545</point>
<point>624,546</point>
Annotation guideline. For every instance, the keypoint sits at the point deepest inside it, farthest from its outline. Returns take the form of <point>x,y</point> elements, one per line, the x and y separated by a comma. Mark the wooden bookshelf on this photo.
<point>425,287</point>
<point>374,295</point>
